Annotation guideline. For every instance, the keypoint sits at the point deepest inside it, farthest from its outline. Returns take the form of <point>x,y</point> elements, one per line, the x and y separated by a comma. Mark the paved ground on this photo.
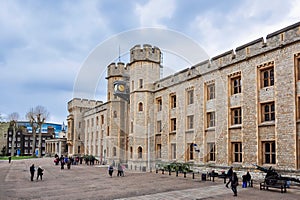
<point>92,182</point>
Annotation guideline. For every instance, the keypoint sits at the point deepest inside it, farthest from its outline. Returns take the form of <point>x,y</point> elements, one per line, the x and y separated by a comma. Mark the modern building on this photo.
<point>238,108</point>
<point>23,139</point>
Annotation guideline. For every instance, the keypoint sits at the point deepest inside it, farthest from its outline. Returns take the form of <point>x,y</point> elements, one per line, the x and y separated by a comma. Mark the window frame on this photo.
<point>237,152</point>
<point>267,77</point>
<point>173,101</point>
<point>211,151</point>
<point>236,119</point>
<point>190,122</point>
<point>158,126</point>
<point>190,96</point>
<point>173,151</point>
<point>269,157</point>
<point>159,104</point>
<point>211,119</point>
<point>211,91</point>
<point>236,88</point>
<point>173,124</point>
<point>268,112</point>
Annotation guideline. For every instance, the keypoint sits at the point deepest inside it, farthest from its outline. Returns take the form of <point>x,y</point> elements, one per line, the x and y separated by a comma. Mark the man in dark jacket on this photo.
<point>40,173</point>
<point>229,175</point>
<point>32,170</point>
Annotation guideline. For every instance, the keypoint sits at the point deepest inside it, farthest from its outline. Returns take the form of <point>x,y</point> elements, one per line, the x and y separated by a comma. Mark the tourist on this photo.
<point>32,170</point>
<point>229,175</point>
<point>40,173</point>
<point>120,170</point>
<point>234,183</point>
<point>110,170</point>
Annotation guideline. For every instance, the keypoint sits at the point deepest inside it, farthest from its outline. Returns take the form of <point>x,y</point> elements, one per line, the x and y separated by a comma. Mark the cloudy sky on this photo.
<point>43,44</point>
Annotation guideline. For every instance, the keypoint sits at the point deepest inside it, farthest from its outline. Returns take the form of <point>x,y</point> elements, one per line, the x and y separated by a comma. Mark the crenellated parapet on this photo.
<point>116,70</point>
<point>273,41</point>
<point>82,103</point>
<point>145,53</point>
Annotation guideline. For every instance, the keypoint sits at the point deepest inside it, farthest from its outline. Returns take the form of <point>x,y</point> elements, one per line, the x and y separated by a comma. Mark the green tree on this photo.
<point>37,117</point>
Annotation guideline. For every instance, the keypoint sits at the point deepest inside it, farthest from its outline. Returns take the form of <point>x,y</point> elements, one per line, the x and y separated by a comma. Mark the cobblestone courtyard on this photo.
<point>93,182</point>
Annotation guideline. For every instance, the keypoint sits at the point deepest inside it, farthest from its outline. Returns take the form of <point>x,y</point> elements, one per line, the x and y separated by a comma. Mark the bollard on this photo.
<point>213,178</point>
<point>193,175</point>
<point>251,183</point>
<point>169,172</point>
<point>156,170</point>
<point>176,173</point>
<point>224,179</point>
<point>163,171</point>
<point>184,174</point>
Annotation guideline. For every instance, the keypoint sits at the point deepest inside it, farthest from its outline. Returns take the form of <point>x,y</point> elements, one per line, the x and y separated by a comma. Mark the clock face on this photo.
<point>121,88</point>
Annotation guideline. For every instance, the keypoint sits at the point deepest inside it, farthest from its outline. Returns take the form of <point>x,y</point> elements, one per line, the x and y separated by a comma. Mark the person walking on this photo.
<point>40,173</point>
<point>110,170</point>
<point>120,170</point>
<point>234,183</point>
<point>229,175</point>
<point>32,170</point>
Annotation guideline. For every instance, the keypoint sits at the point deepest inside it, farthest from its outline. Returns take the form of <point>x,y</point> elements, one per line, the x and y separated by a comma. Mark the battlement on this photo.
<point>145,53</point>
<point>278,39</point>
<point>83,103</point>
<point>116,69</point>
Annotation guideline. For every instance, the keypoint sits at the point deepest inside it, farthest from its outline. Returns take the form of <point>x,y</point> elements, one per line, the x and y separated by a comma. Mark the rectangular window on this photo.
<point>190,151</point>
<point>132,85</point>
<point>131,127</point>
<point>267,77</point>
<point>141,83</point>
<point>173,101</point>
<point>211,151</point>
<point>190,122</point>
<point>236,84</point>
<point>210,119</point>
<point>237,151</point>
<point>107,130</point>
<point>298,67</point>
<point>190,97</point>
<point>268,112</point>
<point>159,104</point>
<point>158,151</point>
<point>173,124</point>
<point>173,151</point>
<point>269,152</point>
<point>158,124</point>
<point>79,125</point>
<point>236,116</point>
<point>102,119</point>
<point>210,91</point>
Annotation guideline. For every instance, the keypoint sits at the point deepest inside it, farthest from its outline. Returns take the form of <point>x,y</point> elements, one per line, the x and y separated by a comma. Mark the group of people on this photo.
<point>121,169</point>
<point>233,179</point>
<point>40,172</point>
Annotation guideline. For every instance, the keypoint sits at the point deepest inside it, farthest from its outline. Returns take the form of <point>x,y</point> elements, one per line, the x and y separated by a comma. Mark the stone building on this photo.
<point>238,108</point>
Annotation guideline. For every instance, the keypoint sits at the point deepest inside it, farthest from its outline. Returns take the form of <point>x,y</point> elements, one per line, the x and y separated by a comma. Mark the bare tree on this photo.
<point>13,119</point>
<point>37,117</point>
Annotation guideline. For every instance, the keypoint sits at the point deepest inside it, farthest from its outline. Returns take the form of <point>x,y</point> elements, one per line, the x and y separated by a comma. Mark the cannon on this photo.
<point>272,177</point>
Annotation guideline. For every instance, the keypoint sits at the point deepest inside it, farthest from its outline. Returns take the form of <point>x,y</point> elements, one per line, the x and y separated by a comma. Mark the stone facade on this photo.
<point>238,108</point>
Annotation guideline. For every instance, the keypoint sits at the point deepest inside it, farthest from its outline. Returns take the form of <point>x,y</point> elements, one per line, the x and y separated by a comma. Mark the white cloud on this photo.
<point>220,30</point>
<point>154,11</point>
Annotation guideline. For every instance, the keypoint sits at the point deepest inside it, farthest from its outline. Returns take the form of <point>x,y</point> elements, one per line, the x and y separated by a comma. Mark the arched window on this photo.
<point>115,114</point>
<point>114,151</point>
<point>140,106</point>
<point>131,152</point>
<point>140,152</point>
